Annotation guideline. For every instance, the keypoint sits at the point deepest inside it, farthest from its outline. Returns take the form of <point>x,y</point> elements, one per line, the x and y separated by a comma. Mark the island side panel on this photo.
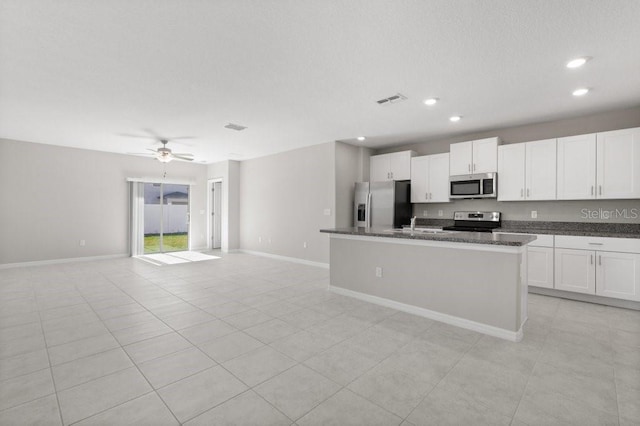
<point>481,286</point>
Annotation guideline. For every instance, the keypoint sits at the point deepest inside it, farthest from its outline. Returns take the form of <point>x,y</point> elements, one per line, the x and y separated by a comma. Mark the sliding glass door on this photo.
<point>166,217</point>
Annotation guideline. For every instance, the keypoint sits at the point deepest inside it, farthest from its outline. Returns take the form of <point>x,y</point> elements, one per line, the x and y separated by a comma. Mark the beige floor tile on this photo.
<point>230,346</point>
<point>348,409</point>
<point>25,388</point>
<point>39,412</point>
<point>156,347</point>
<point>303,345</point>
<point>196,394</point>
<point>82,348</point>
<point>188,319</point>
<point>173,367</point>
<point>89,368</point>
<point>259,365</point>
<point>247,409</point>
<point>147,410</point>
<point>247,319</point>
<point>141,332</point>
<point>297,391</point>
<point>93,397</point>
<point>23,364</point>
<point>341,363</point>
<point>271,331</point>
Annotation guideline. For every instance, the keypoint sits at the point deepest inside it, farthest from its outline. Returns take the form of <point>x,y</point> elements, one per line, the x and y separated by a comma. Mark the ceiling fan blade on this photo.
<point>131,135</point>
<point>180,157</point>
<point>184,154</point>
<point>144,154</point>
<point>152,150</point>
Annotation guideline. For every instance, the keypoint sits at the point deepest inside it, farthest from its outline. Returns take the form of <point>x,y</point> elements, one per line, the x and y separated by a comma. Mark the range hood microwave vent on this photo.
<point>398,97</point>
<point>233,126</point>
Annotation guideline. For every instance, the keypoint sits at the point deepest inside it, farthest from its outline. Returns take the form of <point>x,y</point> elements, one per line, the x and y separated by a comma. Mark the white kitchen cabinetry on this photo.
<point>577,167</point>
<point>393,166</point>
<point>479,156</point>
<point>618,164</point>
<point>430,179</point>
<point>607,267</point>
<point>527,171</point>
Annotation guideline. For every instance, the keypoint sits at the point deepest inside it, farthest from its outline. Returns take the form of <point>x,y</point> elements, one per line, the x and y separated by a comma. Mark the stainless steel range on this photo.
<point>475,221</point>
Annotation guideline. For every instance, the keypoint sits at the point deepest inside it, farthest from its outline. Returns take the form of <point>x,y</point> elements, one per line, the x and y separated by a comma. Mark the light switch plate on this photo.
<point>425,213</point>
<point>327,212</point>
<point>534,214</point>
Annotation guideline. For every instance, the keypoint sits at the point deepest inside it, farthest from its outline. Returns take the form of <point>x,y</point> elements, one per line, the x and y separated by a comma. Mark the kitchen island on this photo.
<point>468,279</point>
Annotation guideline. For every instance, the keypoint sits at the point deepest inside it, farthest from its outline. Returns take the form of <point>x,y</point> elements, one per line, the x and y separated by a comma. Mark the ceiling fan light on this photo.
<point>164,157</point>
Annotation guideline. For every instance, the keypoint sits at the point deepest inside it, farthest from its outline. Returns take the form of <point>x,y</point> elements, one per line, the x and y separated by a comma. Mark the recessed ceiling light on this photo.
<point>455,118</point>
<point>361,138</point>
<point>578,62</point>
<point>431,101</point>
<point>580,92</point>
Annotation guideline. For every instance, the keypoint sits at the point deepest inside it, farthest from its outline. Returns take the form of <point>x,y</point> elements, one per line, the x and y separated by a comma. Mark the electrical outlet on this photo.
<point>304,245</point>
<point>440,213</point>
<point>534,214</point>
<point>82,243</point>
<point>425,213</point>
<point>378,272</point>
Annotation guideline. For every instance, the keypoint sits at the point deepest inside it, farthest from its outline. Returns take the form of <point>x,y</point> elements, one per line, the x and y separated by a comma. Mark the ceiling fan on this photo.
<point>163,154</point>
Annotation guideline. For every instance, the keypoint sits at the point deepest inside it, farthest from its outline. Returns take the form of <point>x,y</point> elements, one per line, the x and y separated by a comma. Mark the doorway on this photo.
<point>216,214</point>
<point>166,218</point>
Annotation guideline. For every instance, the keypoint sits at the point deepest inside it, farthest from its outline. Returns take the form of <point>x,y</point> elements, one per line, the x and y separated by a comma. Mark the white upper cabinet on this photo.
<point>430,179</point>
<point>577,167</point>
<point>479,156</point>
<point>511,172</point>
<point>393,166</point>
<point>527,171</point>
<point>618,166</point>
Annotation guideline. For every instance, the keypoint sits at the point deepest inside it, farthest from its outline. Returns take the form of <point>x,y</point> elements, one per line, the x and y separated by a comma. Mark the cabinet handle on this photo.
<point>591,189</point>
<point>521,192</point>
<point>426,195</point>
<point>596,244</point>
<point>590,259</point>
<point>469,166</point>
<point>600,189</point>
<point>391,175</point>
<point>527,192</point>
<point>430,196</point>
<point>474,167</point>
<point>600,260</point>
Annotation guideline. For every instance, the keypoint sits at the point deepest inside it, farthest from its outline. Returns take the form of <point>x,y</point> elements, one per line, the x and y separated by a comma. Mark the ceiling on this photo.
<point>302,72</point>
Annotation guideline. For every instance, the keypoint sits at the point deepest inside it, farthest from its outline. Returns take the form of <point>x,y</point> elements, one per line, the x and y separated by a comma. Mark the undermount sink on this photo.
<point>419,230</point>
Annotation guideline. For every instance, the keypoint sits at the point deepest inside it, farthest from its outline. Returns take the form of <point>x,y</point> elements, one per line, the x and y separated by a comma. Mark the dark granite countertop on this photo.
<point>584,229</point>
<point>453,237</point>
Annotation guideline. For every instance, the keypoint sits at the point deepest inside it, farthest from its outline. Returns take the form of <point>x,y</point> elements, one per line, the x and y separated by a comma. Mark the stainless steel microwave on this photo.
<point>481,185</point>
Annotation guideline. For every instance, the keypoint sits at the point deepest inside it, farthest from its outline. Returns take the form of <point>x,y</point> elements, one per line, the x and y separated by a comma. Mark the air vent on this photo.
<point>235,127</point>
<point>398,97</point>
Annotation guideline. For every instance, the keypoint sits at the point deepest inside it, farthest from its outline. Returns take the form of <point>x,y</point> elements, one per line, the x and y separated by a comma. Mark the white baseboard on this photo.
<point>286,258</point>
<point>56,261</point>
<point>438,316</point>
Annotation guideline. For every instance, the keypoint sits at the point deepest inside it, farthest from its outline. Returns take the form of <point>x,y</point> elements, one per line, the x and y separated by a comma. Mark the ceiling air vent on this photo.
<point>398,97</point>
<point>235,127</point>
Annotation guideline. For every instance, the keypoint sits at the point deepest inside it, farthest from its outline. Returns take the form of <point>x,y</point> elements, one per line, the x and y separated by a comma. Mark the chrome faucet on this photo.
<point>413,223</point>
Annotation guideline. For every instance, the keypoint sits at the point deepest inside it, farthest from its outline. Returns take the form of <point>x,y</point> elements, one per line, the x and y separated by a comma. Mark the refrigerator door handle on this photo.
<point>368,211</point>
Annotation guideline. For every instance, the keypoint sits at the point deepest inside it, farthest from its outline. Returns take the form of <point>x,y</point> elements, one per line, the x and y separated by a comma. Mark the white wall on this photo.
<point>52,197</point>
<point>282,202</point>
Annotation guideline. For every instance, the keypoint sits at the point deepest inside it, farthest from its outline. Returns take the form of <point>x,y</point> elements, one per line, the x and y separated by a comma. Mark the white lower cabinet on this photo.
<point>575,270</point>
<point>618,275</point>
<point>600,272</point>
<point>540,266</point>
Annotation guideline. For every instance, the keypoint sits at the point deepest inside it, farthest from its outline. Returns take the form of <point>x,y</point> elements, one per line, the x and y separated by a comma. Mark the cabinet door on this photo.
<point>618,168</point>
<point>485,155</point>
<point>400,165</point>
<point>541,170</point>
<point>460,158</point>
<point>419,177</point>
<point>577,167</point>
<point>540,266</point>
<point>575,270</point>
<point>438,181</point>
<point>618,275</point>
<point>379,168</point>
<point>511,172</point>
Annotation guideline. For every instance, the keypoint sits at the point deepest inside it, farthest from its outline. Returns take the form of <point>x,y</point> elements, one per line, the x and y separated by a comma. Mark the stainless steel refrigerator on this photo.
<point>382,204</point>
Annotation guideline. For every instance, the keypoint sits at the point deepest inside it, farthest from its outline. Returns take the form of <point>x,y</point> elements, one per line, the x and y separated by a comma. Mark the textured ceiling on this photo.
<point>302,72</point>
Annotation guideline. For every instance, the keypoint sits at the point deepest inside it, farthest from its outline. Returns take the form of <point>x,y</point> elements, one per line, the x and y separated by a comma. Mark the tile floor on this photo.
<point>246,340</point>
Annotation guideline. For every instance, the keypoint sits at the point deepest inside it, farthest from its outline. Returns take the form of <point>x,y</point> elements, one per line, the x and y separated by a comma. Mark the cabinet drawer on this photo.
<point>623,245</point>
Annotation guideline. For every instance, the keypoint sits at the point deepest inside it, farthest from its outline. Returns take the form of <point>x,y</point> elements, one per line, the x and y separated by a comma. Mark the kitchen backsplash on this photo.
<point>612,211</point>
